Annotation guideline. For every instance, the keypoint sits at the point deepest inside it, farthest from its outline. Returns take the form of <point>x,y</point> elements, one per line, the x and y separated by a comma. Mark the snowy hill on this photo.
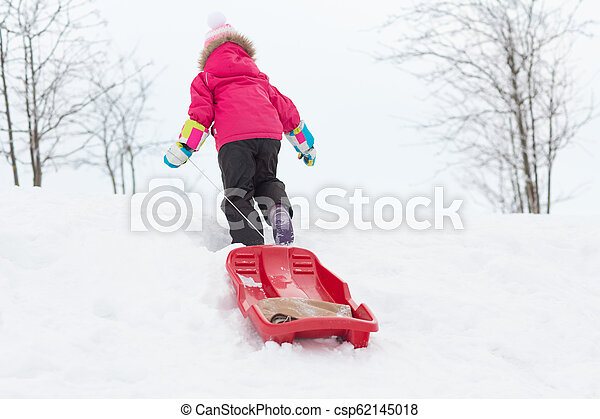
<point>509,307</point>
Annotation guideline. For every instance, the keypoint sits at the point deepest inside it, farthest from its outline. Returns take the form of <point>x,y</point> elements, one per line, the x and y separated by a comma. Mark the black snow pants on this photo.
<point>249,173</point>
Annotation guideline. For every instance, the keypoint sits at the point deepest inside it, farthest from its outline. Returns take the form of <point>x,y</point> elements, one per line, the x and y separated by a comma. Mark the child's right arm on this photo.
<point>195,130</point>
<point>294,128</point>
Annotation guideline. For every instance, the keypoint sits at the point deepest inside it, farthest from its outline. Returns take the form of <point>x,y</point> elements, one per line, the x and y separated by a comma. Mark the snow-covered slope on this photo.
<point>509,307</point>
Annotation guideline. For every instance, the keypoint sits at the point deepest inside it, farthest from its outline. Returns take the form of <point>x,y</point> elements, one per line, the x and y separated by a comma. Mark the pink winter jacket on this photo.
<point>232,92</point>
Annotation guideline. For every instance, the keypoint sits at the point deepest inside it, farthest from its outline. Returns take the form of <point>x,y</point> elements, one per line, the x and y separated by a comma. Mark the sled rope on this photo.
<point>225,195</point>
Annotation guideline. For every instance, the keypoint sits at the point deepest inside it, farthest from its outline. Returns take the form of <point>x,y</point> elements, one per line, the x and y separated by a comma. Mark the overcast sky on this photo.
<point>318,54</point>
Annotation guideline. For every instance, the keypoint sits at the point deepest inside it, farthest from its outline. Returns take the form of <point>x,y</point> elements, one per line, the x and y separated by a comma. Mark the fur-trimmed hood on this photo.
<point>234,37</point>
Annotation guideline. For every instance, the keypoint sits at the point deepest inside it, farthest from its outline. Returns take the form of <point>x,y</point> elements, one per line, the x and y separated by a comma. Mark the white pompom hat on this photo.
<point>217,23</point>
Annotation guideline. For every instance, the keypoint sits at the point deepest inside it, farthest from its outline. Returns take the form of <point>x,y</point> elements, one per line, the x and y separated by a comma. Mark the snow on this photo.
<point>249,282</point>
<point>509,307</point>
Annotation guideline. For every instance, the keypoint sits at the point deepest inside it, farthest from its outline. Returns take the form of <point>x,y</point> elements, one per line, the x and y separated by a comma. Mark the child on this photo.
<point>249,116</point>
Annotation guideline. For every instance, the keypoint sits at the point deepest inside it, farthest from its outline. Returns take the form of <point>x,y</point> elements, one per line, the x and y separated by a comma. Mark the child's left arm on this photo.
<point>195,130</point>
<point>294,128</point>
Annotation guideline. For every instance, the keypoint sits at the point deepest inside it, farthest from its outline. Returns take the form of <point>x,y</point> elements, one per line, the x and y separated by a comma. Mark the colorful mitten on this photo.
<point>193,135</point>
<point>309,157</point>
<point>303,142</point>
<point>178,154</point>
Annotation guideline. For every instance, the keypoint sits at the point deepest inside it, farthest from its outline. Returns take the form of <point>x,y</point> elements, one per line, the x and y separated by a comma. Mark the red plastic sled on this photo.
<point>260,272</point>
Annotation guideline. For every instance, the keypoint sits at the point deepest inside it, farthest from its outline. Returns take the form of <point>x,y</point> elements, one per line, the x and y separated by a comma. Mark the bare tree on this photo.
<point>112,122</point>
<point>10,154</point>
<point>57,56</point>
<point>73,107</point>
<point>131,112</point>
<point>501,72</point>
